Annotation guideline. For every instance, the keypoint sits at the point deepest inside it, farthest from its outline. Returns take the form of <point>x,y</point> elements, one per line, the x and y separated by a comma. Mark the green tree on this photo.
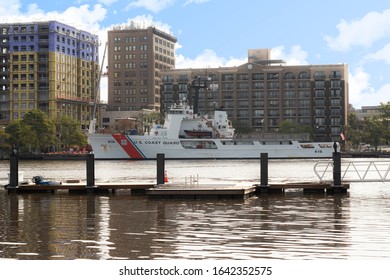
<point>287,126</point>
<point>14,133</point>
<point>4,144</point>
<point>385,118</point>
<point>373,131</point>
<point>241,127</point>
<point>33,134</point>
<point>354,130</point>
<point>69,133</point>
<point>41,128</point>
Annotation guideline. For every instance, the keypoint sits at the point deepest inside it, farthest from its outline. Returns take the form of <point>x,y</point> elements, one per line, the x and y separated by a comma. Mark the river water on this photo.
<point>293,226</point>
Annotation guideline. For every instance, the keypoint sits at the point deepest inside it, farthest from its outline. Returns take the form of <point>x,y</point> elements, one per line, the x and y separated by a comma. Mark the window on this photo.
<point>303,75</point>
<point>319,75</point>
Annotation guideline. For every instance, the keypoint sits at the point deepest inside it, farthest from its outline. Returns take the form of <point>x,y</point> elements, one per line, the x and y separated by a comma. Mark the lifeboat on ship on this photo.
<point>198,133</point>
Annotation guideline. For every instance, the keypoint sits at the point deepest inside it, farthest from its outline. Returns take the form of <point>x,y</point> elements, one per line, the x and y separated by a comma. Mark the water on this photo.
<point>293,226</point>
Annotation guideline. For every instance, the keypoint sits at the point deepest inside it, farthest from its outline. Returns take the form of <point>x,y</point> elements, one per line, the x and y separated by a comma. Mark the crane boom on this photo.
<point>93,117</point>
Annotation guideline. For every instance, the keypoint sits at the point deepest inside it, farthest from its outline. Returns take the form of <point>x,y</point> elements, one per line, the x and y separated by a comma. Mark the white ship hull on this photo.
<point>118,146</point>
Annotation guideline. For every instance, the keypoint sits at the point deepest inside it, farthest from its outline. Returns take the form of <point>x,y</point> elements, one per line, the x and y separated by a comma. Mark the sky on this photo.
<point>218,33</point>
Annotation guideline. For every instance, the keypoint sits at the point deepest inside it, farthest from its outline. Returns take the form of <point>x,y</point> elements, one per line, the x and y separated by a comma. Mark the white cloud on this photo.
<point>297,56</point>
<point>381,55</point>
<point>361,93</point>
<point>362,32</point>
<point>83,17</point>
<point>11,7</point>
<point>208,58</point>
<point>189,2</point>
<point>107,2</point>
<point>143,21</point>
<point>151,5</point>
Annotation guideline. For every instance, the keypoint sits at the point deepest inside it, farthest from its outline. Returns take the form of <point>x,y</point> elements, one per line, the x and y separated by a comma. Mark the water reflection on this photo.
<point>62,226</point>
<point>124,226</point>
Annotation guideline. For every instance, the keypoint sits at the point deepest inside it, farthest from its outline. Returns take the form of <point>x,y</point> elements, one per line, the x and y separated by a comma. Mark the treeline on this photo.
<point>36,134</point>
<point>373,130</point>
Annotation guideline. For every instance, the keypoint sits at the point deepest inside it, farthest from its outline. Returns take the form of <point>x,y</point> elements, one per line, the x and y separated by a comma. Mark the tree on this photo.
<point>33,134</point>
<point>354,130</point>
<point>385,118</point>
<point>43,129</point>
<point>373,129</point>
<point>287,126</point>
<point>69,133</point>
<point>4,146</point>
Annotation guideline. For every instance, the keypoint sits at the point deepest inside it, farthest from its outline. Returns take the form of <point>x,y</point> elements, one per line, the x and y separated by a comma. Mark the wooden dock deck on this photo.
<point>202,191</point>
<point>82,187</point>
<point>177,190</point>
<point>306,187</point>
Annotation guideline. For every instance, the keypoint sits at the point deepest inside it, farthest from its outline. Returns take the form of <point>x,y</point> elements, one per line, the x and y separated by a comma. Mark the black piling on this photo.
<point>90,170</point>
<point>264,170</point>
<point>337,184</point>
<point>160,168</point>
<point>14,169</point>
<point>264,187</point>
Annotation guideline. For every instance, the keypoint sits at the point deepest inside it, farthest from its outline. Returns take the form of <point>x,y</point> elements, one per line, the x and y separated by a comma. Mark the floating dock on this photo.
<point>172,190</point>
<point>201,191</point>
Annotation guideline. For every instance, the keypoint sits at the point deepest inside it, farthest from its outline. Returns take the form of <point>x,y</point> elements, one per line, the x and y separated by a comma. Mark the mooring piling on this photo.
<point>90,170</point>
<point>14,169</point>
<point>160,169</point>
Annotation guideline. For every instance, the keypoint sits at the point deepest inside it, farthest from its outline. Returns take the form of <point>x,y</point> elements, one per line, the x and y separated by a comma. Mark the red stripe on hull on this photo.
<point>127,146</point>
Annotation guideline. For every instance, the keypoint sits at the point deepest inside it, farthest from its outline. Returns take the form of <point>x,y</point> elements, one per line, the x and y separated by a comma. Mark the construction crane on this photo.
<point>92,123</point>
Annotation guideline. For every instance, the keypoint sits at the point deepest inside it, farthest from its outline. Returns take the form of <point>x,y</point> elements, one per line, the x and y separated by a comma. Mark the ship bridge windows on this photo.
<point>196,144</point>
<point>237,142</point>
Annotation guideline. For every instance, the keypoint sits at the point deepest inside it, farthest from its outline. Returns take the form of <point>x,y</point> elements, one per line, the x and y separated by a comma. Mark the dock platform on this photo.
<point>82,187</point>
<point>201,191</point>
<point>177,190</point>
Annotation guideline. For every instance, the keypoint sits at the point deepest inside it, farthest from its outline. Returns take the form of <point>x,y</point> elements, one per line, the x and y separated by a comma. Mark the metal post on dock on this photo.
<point>264,170</point>
<point>337,185</point>
<point>14,168</point>
<point>90,170</point>
<point>337,169</point>
<point>160,169</point>
<point>263,187</point>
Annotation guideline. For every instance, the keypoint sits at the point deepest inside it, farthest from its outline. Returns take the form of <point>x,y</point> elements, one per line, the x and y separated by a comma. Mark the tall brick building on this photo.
<point>136,59</point>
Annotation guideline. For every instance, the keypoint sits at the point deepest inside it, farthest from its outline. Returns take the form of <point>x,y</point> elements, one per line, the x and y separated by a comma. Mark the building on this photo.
<point>136,57</point>
<point>368,111</point>
<point>48,66</point>
<point>262,93</point>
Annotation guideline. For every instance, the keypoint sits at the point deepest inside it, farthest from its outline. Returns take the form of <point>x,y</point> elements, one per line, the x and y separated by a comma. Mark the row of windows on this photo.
<point>142,56</point>
<point>130,39</point>
<point>164,51</point>
<point>130,91</point>
<point>131,100</point>
<point>164,42</point>
<point>270,76</point>
<point>131,48</point>
<point>130,83</point>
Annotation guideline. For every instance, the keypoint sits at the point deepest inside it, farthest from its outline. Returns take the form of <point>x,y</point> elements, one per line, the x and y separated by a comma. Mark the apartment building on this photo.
<point>49,66</point>
<point>136,58</point>
<point>262,93</point>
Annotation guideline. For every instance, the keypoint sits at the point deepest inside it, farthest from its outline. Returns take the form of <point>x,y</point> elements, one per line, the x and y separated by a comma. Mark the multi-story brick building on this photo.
<point>136,57</point>
<point>262,93</point>
<point>48,66</point>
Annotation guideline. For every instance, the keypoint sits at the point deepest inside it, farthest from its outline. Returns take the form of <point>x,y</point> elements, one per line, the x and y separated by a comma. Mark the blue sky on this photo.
<point>214,33</point>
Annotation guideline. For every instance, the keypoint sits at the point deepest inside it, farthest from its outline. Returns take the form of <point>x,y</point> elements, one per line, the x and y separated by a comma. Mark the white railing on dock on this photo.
<point>357,171</point>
